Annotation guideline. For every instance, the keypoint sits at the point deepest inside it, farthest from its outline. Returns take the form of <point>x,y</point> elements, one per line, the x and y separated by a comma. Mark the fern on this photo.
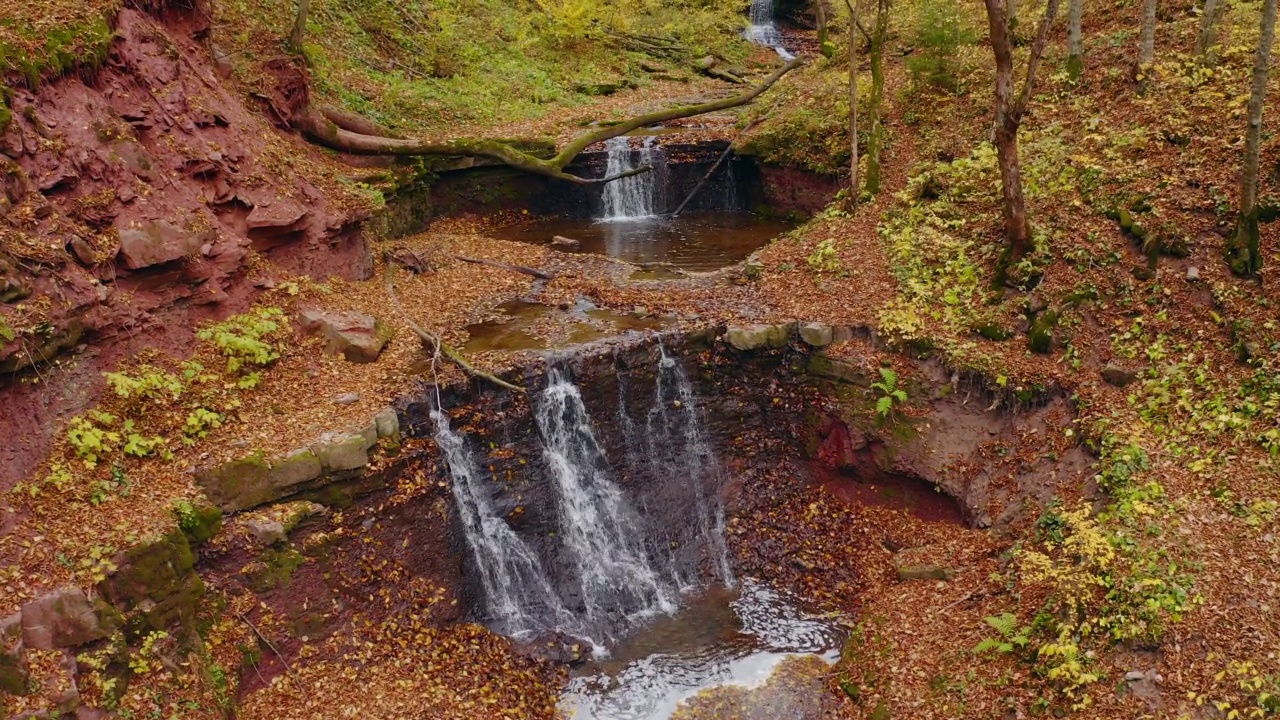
<point>890,394</point>
<point>1011,637</point>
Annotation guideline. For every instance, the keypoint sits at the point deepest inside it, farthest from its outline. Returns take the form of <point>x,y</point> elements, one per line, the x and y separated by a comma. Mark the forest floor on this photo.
<point>1179,573</point>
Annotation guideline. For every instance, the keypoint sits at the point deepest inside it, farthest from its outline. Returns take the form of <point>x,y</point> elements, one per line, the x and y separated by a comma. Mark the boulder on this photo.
<point>338,451</point>
<point>65,618</point>
<point>817,334</point>
<point>1193,273</point>
<point>387,423</point>
<point>266,531</point>
<point>358,336</point>
<point>924,572</point>
<point>154,242</point>
<point>155,584</point>
<point>754,337</point>
<point>568,243</point>
<point>1117,375</point>
<point>14,673</point>
<point>249,482</point>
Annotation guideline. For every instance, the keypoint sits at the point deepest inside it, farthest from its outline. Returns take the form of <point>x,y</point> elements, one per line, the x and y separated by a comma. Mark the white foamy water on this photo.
<point>718,640</point>
<point>631,198</point>
<point>762,30</point>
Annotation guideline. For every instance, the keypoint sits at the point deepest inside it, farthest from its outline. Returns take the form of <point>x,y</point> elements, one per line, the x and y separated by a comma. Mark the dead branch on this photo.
<point>270,645</point>
<point>541,274</point>
<point>436,345</point>
<point>320,127</point>
<point>719,161</point>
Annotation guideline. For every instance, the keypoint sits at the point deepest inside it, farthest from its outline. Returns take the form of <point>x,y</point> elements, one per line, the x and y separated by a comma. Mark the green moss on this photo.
<point>274,568</point>
<point>1040,337</point>
<point>79,44</point>
<point>199,523</point>
<point>992,331</point>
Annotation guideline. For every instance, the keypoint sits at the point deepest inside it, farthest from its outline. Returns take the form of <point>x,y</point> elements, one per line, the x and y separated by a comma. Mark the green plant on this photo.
<point>89,439</point>
<point>246,339</point>
<point>824,258</point>
<point>1011,637</point>
<point>939,33</point>
<point>199,422</point>
<point>890,395</point>
<point>147,383</point>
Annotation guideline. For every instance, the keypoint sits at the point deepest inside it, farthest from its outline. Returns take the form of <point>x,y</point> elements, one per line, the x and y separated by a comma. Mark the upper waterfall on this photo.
<point>762,29</point>
<point>631,198</point>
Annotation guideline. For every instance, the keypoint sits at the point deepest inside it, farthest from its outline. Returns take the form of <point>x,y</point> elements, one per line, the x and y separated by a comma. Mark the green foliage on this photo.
<point>940,31</point>
<point>246,339</point>
<point>199,423</point>
<point>7,333</point>
<point>890,396</point>
<point>90,437</point>
<point>1010,638</point>
<point>146,383</point>
<point>38,51</point>
<point>824,258</point>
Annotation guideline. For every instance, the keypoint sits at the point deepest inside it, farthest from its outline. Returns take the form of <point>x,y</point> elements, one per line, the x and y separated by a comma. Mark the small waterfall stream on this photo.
<point>598,524</point>
<point>762,29</point>
<point>631,198</point>
<point>518,595</point>
<point>642,574</point>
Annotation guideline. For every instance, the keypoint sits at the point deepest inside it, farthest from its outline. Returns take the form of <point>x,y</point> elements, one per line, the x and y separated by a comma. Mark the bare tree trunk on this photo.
<point>1207,35</point>
<point>855,188</point>
<point>1243,251</point>
<point>1009,111</point>
<point>875,138</point>
<point>1147,43</point>
<point>299,26</point>
<point>1075,45</point>
<point>820,10</point>
<point>332,132</point>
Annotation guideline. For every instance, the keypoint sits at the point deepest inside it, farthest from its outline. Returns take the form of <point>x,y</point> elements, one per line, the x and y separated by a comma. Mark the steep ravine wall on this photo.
<point>137,195</point>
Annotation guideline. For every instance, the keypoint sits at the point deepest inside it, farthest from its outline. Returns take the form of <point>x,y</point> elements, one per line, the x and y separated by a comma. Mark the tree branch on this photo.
<point>540,274</point>
<point>439,346</point>
<point>347,132</point>
<point>1033,62</point>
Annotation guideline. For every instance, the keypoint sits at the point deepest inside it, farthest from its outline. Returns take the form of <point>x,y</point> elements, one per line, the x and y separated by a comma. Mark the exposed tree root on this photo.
<point>342,130</point>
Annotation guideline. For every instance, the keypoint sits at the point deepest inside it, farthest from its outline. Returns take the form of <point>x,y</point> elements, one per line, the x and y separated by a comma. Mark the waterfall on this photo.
<point>679,448</point>
<point>630,198</point>
<point>517,593</point>
<point>762,31</point>
<point>597,523</point>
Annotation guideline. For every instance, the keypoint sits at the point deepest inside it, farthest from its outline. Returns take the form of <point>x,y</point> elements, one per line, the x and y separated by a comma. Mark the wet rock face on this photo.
<point>642,440</point>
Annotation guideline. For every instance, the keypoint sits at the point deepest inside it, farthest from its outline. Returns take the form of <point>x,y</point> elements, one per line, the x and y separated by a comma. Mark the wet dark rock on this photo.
<point>357,336</point>
<point>560,649</point>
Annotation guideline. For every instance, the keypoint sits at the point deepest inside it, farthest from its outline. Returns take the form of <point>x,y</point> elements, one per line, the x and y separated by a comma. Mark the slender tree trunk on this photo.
<point>1147,43</point>
<point>299,26</point>
<point>875,104</point>
<point>1207,35</point>
<point>1075,45</point>
<point>855,188</point>
<point>1009,111</point>
<point>1243,251</point>
<point>820,10</point>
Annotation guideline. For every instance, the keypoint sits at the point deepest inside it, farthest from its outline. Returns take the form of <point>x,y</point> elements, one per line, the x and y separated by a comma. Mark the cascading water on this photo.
<point>631,198</point>
<point>518,597</point>
<point>597,523</point>
<point>762,30</point>
<point>678,448</point>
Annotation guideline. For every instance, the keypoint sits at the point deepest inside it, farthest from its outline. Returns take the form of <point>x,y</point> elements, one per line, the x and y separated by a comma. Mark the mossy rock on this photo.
<point>201,523</point>
<point>273,569</point>
<point>155,584</point>
<point>993,331</point>
<point>1040,336</point>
